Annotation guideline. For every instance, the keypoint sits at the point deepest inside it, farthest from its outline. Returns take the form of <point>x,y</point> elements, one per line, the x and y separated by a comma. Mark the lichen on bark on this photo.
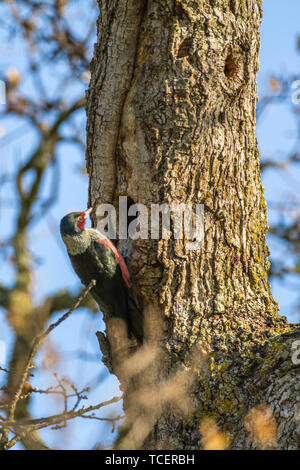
<point>171,119</point>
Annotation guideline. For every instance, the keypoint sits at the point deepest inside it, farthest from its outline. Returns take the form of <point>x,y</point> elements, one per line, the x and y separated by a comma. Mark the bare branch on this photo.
<point>37,343</point>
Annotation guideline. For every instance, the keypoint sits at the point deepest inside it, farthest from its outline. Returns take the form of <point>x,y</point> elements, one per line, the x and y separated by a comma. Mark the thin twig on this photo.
<point>25,427</point>
<point>37,343</point>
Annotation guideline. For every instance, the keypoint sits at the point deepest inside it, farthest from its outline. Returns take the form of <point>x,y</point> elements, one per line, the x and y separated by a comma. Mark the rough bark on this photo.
<point>171,118</point>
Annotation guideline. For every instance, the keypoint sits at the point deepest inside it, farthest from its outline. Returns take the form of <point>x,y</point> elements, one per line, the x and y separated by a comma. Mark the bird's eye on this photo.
<point>81,222</point>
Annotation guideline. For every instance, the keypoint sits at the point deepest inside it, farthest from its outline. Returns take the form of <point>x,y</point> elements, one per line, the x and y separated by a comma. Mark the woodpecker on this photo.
<point>94,256</point>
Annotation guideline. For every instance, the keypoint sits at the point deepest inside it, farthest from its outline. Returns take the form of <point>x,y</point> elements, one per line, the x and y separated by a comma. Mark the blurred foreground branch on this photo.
<point>21,428</point>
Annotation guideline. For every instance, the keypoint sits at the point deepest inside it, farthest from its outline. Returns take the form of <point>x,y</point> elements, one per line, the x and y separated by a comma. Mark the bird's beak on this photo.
<point>87,213</point>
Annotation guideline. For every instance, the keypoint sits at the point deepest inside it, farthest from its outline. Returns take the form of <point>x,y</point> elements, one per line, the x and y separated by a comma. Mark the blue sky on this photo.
<point>278,54</point>
<point>276,130</point>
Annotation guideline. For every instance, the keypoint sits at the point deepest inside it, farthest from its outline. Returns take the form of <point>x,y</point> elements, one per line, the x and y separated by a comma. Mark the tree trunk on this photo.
<point>171,119</point>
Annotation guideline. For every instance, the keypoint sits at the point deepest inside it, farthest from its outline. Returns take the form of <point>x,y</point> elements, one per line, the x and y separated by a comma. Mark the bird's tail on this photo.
<point>136,319</point>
